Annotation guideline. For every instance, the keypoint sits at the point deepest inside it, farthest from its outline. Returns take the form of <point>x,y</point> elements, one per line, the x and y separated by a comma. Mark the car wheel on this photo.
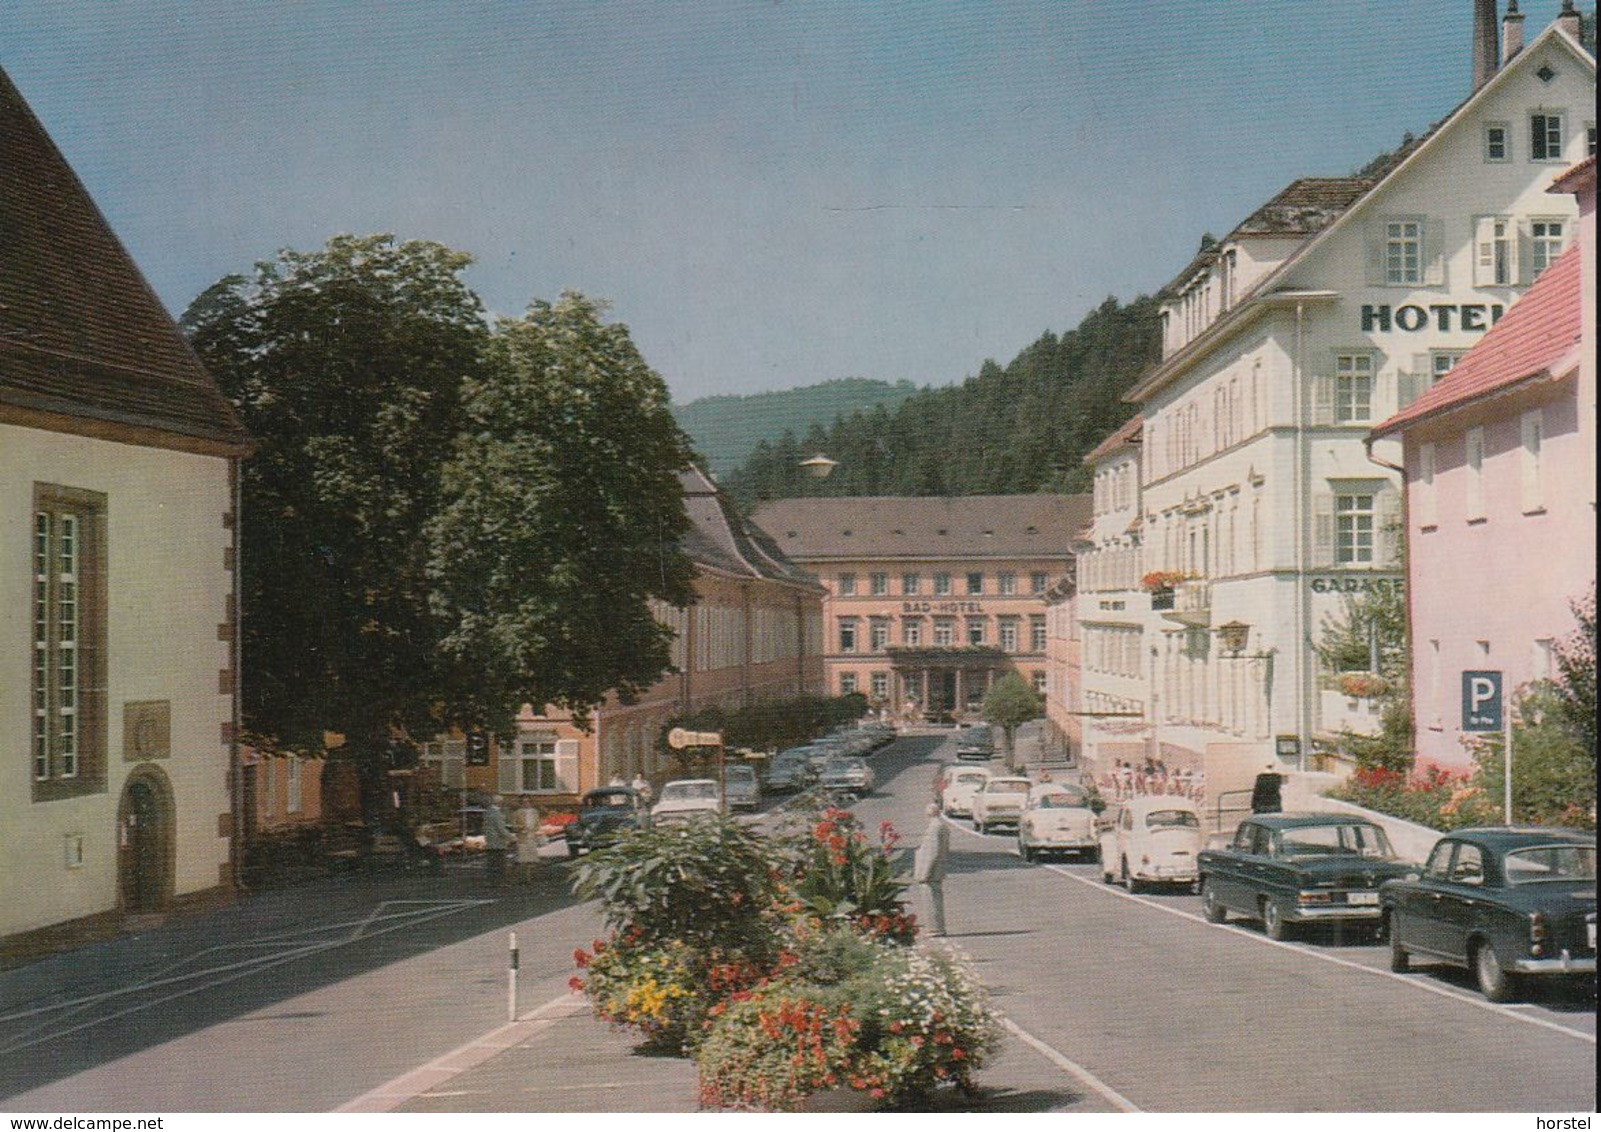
<point>1130,881</point>
<point>1493,981</point>
<point>1027,852</point>
<point>1273,919</point>
<point>1211,907</point>
<point>572,850</point>
<point>978,826</point>
<point>1400,960</point>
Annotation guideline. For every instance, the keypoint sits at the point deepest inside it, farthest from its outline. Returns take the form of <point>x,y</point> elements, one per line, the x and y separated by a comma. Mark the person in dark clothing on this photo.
<point>1267,794</point>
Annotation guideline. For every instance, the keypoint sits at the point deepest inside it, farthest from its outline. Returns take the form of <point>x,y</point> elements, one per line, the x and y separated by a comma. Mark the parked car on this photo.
<point>849,776</point>
<point>1286,869</point>
<point>999,802</point>
<point>1056,819</point>
<point>1151,839</point>
<point>741,790</point>
<point>687,798</point>
<point>603,815</point>
<point>789,770</point>
<point>974,744</point>
<point>961,783</point>
<point>1506,903</point>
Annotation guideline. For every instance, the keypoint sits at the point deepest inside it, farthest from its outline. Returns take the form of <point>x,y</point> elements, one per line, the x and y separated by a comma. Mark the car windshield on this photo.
<point>615,801</point>
<point>970,779</point>
<point>1345,839</point>
<point>1172,819</point>
<point>1062,800</point>
<point>1551,862</point>
<point>679,791</point>
<point>1006,786</point>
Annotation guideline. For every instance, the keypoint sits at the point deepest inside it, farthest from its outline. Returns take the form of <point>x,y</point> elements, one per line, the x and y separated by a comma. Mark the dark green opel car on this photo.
<point>1506,903</point>
<point>1286,869</point>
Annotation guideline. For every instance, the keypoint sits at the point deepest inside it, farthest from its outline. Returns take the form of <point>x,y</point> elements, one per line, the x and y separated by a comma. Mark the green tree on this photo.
<point>1009,704</point>
<point>1575,689</point>
<point>345,364</point>
<point>562,519</point>
<point>1368,635</point>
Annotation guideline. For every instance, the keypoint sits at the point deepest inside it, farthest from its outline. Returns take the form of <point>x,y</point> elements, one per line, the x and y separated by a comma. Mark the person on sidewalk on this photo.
<point>497,837</point>
<point>928,868</point>
<point>528,840</point>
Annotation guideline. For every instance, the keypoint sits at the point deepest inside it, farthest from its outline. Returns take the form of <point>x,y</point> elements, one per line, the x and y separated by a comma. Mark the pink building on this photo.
<point>1499,463</point>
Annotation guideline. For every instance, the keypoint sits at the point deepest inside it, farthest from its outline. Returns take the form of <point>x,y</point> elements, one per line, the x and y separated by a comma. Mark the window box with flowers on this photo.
<point>1160,585</point>
<point>1361,685</point>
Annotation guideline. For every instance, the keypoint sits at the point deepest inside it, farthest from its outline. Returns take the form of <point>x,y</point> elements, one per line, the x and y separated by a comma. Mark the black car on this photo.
<point>603,814</point>
<point>1506,903</point>
<point>975,744</point>
<point>1286,869</point>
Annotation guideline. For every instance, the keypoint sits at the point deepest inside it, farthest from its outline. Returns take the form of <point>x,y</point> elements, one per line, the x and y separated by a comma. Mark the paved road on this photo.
<point>304,1000</point>
<point>1175,1014</point>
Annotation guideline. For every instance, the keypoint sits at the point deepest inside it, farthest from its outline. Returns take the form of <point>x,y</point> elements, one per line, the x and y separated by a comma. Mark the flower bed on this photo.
<point>1437,798</point>
<point>1362,685</point>
<point>1157,580</point>
<point>780,963</point>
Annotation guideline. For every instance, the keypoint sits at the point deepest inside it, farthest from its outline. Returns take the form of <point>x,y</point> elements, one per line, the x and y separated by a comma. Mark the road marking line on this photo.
<point>1404,980</point>
<point>425,1079</point>
<point>1062,1061</point>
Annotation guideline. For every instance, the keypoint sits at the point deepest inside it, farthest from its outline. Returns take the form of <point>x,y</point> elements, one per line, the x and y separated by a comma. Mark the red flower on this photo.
<point>957,1054</point>
<point>575,983</point>
<point>581,957</point>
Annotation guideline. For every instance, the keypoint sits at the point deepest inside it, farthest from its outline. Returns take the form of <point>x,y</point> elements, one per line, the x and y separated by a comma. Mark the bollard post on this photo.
<point>511,979</point>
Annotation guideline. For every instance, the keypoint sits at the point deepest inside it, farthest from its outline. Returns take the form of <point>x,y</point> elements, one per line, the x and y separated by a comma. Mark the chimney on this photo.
<point>1568,20</point>
<point>1511,32</point>
<point>1484,42</point>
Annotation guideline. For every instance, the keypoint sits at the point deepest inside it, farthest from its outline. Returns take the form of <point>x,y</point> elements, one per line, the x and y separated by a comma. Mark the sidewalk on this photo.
<point>560,1058</point>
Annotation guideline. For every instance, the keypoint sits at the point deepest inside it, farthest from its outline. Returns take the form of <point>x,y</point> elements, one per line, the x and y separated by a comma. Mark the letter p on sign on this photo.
<point>1481,701</point>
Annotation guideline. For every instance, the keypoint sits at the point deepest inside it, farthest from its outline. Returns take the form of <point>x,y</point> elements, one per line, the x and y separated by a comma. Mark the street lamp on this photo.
<point>819,467</point>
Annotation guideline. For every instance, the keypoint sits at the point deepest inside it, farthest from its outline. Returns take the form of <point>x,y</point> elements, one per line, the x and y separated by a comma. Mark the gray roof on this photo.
<point>912,527</point>
<point>721,540</point>
<point>85,345</point>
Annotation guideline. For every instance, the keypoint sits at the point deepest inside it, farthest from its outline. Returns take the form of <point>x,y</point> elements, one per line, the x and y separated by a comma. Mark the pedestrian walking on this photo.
<point>928,868</point>
<point>642,788</point>
<point>497,837</point>
<point>528,839</point>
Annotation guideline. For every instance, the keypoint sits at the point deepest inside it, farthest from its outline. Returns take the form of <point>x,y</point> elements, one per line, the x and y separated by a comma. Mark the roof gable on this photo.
<point>85,345</point>
<point>1537,337</point>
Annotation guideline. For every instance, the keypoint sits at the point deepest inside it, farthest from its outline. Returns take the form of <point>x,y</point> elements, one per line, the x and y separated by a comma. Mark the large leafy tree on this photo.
<point>1009,704</point>
<point>346,364</point>
<point>562,518</point>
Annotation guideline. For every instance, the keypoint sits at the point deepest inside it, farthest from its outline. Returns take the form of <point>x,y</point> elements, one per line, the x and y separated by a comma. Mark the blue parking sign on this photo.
<point>1482,705</point>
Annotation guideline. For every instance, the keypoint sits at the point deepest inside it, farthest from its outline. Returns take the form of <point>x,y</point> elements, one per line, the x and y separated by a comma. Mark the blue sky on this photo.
<point>769,192</point>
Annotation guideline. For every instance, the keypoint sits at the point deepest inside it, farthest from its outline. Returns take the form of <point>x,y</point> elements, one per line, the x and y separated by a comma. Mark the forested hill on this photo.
<point>727,429</point>
<point>1024,427</point>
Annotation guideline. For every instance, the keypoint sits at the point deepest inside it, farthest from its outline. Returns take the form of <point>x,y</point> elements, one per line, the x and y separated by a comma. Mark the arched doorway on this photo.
<point>146,841</point>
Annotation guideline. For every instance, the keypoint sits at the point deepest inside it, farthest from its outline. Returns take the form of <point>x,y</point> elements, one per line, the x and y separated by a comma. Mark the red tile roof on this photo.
<point>82,336</point>
<point>1127,434</point>
<point>1533,338</point>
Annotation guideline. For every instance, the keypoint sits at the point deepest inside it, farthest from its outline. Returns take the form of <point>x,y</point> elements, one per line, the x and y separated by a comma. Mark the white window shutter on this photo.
<point>1484,251</point>
<point>1423,497</point>
<point>1523,254</point>
<point>1322,529</point>
<point>1433,254</point>
<point>1386,393</point>
<point>1375,256</point>
<point>567,765</point>
<point>1322,399</point>
<point>1390,533</point>
<point>508,766</point>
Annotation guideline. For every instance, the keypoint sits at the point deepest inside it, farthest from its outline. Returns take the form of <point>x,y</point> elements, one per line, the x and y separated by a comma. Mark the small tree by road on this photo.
<point>1009,704</point>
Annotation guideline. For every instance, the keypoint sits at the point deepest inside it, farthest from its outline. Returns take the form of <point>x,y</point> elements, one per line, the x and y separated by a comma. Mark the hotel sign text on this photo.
<point>942,607</point>
<point>1469,316</point>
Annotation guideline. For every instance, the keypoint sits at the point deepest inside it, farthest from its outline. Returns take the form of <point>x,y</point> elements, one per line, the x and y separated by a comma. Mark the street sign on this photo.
<point>678,738</point>
<point>1482,703</point>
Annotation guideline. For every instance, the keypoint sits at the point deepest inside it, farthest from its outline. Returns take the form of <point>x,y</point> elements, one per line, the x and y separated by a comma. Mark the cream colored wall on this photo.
<point>167,587</point>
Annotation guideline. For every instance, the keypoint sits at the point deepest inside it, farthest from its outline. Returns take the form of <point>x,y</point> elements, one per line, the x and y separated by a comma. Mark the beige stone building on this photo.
<point>930,599</point>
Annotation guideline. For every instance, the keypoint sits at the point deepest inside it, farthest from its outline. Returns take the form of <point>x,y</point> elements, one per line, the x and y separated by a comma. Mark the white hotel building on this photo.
<point>1284,343</point>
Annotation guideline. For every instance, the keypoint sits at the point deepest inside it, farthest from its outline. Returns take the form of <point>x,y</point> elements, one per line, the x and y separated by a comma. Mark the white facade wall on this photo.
<point>1252,448</point>
<point>168,587</point>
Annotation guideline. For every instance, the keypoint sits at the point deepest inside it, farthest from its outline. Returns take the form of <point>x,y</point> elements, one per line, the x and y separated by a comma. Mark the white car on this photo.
<point>1151,839</point>
<point>959,785</point>
<point>687,798</point>
<point>1057,819</point>
<point>1000,802</point>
